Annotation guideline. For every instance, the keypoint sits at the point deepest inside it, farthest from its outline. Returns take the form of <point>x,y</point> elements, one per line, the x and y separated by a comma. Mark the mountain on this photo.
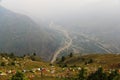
<point>20,35</point>
<point>99,39</point>
<point>95,36</point>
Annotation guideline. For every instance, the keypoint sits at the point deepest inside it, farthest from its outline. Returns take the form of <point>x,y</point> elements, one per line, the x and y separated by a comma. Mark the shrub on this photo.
<point>114,75</point>
<point>13,63</point>
<point>19,76</point>
<point>3,64</point>
<point>82,74</point>
<point>98,75</point>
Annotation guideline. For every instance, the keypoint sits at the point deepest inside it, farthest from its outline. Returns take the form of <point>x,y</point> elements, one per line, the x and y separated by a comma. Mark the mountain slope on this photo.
<point>20,35</point>
<point>107,61</point>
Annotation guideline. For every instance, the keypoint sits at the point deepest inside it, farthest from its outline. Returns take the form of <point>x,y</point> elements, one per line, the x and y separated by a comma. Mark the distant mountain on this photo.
<point>96,37</point>
<point>20,35</point>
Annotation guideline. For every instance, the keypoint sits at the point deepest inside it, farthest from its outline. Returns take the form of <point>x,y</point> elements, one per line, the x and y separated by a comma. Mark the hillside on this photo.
<point>108,61</point>
<point>20,35</point>
<point>34,68</point>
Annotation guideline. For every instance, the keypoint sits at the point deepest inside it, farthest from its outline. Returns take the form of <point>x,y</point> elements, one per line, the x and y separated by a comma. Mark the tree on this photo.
<point>11,55</point>
<point>19,76</point>
<point>71,54</point>
<point>34,54</point>
<point>63,59</point>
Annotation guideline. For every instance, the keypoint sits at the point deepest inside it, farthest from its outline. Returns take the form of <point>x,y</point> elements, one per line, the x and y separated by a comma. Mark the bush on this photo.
<point>82,74</point>
<point>90,61</point>
<point>114,75</point>
<point>63,65</point>
<point>19,76</point>
<point>98,75</point>
<point>3,64</point>
<point>13,63</point>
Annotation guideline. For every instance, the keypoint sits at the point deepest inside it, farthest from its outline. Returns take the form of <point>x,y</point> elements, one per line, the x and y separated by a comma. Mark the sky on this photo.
<point>65,9</point>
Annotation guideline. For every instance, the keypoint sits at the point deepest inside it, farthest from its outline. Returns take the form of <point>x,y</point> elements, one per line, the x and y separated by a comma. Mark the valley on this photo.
<point>78,43</point>
<point>21,35</point>
<point>59,40</point>
<point>67,41</point>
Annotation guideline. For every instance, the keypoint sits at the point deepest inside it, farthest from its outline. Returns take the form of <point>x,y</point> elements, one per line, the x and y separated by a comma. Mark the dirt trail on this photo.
<point>68,42</point>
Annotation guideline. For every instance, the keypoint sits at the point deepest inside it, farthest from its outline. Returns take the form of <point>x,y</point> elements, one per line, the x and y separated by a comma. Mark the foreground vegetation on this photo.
<point>71,67</point>
<point>82,75</point>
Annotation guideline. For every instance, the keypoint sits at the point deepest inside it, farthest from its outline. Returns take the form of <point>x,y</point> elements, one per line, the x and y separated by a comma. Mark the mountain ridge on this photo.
<point>21,35</point>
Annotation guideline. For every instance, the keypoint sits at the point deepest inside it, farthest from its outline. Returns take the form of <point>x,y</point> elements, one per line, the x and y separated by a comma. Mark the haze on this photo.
<point>60,10</point>
<point>86,26</point>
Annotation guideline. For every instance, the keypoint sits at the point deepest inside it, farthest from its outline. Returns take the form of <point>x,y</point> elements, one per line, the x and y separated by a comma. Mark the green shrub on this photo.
<point>3,64</point>
<point>19,76</point>
<point>98,75</point>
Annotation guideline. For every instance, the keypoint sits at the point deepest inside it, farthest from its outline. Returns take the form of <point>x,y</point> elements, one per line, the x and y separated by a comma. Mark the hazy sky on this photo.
<point>64,8</point>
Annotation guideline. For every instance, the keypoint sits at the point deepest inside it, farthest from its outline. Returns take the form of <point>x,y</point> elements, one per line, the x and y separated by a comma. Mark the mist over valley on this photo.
<point>57,28</point>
